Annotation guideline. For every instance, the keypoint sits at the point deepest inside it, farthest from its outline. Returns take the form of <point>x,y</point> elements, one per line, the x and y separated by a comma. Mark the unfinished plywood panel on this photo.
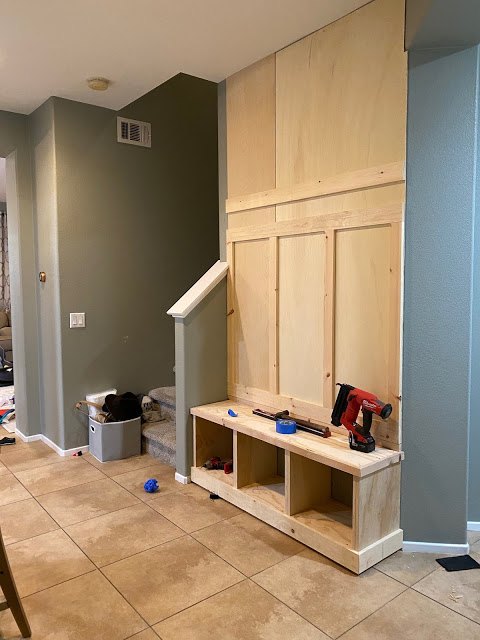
<point>251,314</point>
<point>341,100</point>
<point>362,294</point>
<point>211,440</point>
<point>251,218</point>
<point>368,199</point>
<point>251,128</point>
<point>301,300</point>
<point>377,506</point>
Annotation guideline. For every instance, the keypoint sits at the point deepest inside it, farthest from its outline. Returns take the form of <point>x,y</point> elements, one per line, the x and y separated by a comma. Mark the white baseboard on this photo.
<point>61,452</point>
<point>436,547</point>
<point>182,479</point>
<point>37,436</point>
<point>473,526</point>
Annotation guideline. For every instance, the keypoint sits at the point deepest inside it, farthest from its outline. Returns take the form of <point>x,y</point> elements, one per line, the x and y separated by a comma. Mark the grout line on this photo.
<point>213,595</point>
<point>106,578</point>
<point>52,586</point>
<point>373,612</point>
<point>292,610</point>
<point>137,553</point>
<point>444,605</point>
<point>37,535</point>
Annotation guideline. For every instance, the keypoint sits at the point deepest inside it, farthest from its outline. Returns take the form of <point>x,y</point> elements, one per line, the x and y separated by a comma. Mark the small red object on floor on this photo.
<point>228,466</point>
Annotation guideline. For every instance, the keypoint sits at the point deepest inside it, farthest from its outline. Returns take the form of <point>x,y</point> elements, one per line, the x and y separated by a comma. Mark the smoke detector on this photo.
<point>98,84</point>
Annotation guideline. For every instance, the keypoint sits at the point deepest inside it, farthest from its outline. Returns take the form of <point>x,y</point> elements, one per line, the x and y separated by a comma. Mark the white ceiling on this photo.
<point>50,47</point>
<point>3,195</point>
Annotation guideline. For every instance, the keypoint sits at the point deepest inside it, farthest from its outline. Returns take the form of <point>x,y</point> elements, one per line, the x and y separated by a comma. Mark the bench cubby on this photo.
<point>340,502</point>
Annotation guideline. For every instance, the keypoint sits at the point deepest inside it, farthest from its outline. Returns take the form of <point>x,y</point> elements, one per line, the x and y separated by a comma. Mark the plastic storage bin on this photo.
<point>115,440</point>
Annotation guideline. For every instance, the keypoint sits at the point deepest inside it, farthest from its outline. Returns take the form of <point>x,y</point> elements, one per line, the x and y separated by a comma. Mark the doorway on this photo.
<point>7,389</point>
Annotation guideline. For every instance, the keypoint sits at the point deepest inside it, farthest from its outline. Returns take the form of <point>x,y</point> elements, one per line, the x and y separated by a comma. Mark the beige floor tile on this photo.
<point>473,536</point>
<point>122,533</point>
<point>475,547</point>
<point>46,560</point>
<point>86,501</point>
<point>329,596</point>
<point>54,477</point>
<point>148,634</point>
<point>411,616</point>
<point>11,490</point>
<point>116,467</point>
<point>457,590</point>
<point>3,470</point>
<point>248,544</point>
<point>164,580</point>
<point>133,481</point>
<point>243,612</point>
<point>34,454</point>
<point>84,608</point>
<point>25,519</point>
<point>408,568</point>
<point>192,508</point>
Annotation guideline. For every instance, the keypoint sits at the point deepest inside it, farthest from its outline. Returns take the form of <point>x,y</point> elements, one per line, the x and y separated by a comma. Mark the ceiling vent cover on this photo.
<point>134,132</point>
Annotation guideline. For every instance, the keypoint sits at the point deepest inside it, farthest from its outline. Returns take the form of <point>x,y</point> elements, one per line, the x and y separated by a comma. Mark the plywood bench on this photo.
<point>340,502</point>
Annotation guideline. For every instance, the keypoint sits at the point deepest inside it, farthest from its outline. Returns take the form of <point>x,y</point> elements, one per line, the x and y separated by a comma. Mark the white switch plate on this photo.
<point>77,321</point>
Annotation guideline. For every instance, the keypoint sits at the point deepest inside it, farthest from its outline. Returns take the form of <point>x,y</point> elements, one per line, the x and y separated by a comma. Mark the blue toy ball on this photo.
<point>151,485</point>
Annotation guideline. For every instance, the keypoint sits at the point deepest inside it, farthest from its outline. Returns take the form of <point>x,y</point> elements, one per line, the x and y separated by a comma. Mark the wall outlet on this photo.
<point>77,321</point>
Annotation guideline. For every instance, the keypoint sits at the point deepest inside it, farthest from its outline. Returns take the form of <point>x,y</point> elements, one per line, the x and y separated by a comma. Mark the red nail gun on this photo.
<point>349,402</point>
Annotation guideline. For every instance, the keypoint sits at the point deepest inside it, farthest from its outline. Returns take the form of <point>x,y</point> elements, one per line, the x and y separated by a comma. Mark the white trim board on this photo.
<point>435,547</point>
<point>199,290</point>
<point>182,479</point>
<point>61,452</point>
<point>473,526</point>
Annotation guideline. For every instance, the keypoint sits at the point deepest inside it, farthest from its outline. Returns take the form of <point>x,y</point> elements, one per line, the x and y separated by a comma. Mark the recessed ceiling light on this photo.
<point>98,84</point>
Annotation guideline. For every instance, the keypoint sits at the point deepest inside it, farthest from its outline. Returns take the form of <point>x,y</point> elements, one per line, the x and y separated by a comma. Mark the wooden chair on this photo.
<point>12,599</point>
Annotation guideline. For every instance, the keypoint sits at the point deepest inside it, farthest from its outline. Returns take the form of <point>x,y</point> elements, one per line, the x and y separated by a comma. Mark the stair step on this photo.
<point>164,396</point>
<point>160,441</point>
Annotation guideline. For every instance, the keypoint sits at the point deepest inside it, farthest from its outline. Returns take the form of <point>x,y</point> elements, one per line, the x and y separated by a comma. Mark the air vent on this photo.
<point>134,132</point>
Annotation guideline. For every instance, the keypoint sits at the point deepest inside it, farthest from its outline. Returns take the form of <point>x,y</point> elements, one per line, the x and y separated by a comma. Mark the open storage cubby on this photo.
<point>320,497</point>
<point>212,440</point>
<point>342,503</point>
<point>261,470</point>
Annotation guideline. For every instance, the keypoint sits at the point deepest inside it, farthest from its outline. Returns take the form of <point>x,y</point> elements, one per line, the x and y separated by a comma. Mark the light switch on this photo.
<point>77,321</point>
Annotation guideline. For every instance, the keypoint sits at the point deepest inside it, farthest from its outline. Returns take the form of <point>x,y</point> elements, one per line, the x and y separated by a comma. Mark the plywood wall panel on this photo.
<point>251,128</point>
<point>251,218</point>
<point>341,96</point>
<point>251,307</point>
<point>362,308</point>
<point>365,199</point>
<point>301,301</point>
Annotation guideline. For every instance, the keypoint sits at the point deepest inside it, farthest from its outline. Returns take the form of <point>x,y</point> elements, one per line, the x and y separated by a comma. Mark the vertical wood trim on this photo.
<point>355,518</point>
<point>394,321</point>
<point>273,313</point>
<point>235,459</point>
<point>231,346</point>
<point>288,482</point>
<point>329,321</point>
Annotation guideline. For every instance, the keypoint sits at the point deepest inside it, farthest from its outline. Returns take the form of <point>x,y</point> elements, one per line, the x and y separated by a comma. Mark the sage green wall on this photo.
<point>15,146</point>
<point>136,228</point>
<point>42,133</point>
<point>201,364</point>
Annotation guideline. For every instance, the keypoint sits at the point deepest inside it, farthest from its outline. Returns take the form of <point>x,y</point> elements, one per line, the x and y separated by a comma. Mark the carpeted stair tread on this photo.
<point>164,395</point>
<point>159,440</point>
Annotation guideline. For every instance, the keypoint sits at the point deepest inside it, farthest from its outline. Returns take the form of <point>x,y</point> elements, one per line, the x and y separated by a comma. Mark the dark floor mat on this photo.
<point>458,563</point>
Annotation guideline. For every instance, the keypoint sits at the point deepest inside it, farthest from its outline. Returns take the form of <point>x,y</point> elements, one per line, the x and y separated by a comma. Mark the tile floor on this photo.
<point>94,556</point>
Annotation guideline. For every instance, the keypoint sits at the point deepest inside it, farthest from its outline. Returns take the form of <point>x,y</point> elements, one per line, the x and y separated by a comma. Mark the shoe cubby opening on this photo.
<point>212,440</point>
<point>261,471</point>
<point>320,497</point>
